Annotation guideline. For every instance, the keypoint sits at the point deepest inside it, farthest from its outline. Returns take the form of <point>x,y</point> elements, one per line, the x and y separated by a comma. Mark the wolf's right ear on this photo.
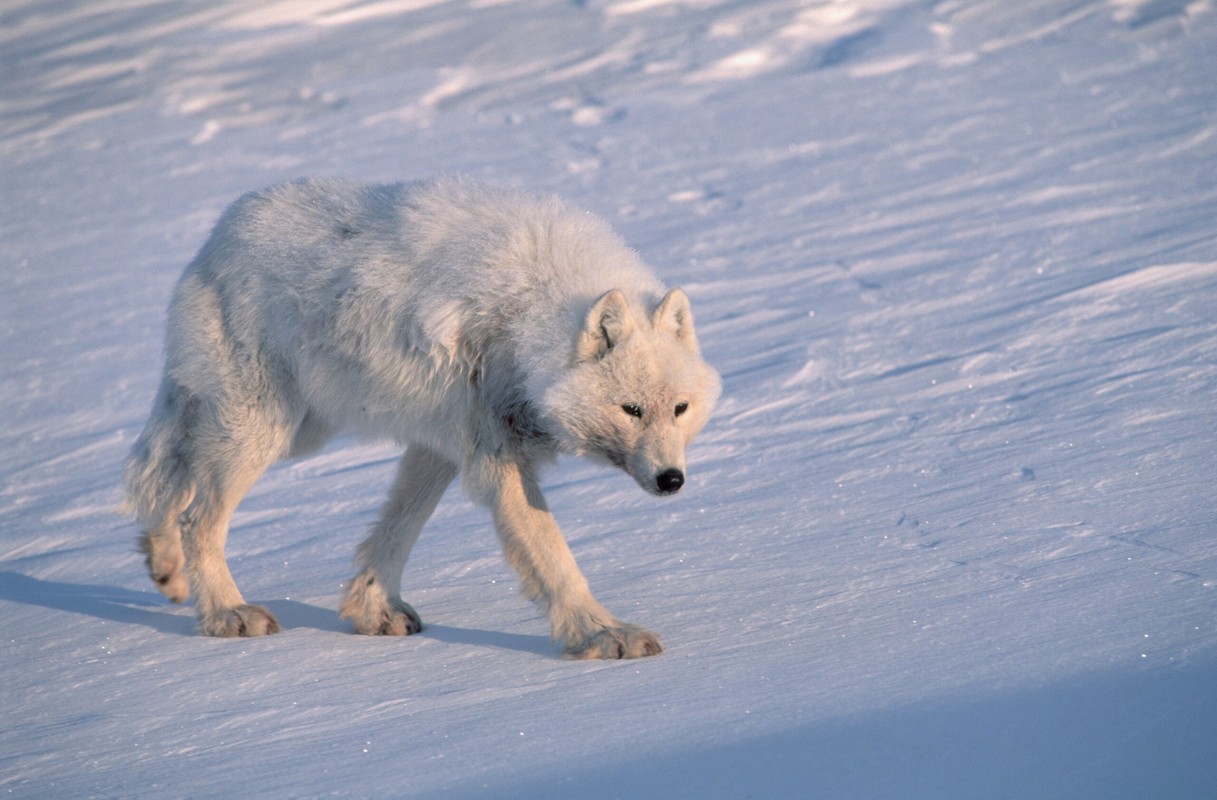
<point>674,316</point>
<point>608,323</point>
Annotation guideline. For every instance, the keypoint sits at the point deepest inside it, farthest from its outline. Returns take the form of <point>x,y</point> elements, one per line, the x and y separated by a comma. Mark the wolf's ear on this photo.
<point>674,316</point>
<point>608,324</point>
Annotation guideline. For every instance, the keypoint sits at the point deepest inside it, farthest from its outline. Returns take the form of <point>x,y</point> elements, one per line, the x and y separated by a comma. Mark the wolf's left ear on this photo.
<point>607,324</point>
<point>674,316</point>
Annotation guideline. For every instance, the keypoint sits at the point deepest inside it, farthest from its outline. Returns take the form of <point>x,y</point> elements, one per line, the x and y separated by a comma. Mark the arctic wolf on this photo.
<point>487,330</point>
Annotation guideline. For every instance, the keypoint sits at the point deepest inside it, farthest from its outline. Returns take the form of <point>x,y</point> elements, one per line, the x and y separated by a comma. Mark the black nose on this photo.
<point>669,481</point>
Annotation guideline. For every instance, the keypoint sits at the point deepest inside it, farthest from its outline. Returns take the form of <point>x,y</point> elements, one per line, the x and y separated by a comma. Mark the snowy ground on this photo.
<point>951,534</point>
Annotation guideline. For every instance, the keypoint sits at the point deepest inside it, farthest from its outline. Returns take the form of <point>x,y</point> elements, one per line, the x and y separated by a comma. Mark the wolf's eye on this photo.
<point>633,409</point>
<point>681,408</point>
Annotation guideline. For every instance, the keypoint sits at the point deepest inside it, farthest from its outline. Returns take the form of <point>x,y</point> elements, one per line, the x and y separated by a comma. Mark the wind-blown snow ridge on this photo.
<point>950,534</point>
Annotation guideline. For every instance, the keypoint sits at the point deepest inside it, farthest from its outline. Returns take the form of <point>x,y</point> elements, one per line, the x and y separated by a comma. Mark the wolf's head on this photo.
<point>637,390</point>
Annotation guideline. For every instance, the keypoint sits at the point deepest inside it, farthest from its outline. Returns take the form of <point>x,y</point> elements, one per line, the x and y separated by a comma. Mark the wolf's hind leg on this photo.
<point>233,446</point>
<point>373,601</point>
<point>220,608</point>
<point>159,486</point>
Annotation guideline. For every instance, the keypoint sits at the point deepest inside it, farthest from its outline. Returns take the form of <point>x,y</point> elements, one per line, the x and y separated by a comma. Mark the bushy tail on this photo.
<point>158,473</point>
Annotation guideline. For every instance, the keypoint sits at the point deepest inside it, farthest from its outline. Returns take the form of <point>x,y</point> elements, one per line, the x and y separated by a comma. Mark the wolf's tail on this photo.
<point>158,474</point>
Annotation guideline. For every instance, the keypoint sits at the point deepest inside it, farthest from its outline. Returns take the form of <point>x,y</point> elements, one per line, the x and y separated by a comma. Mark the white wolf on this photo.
<point>485,329</point>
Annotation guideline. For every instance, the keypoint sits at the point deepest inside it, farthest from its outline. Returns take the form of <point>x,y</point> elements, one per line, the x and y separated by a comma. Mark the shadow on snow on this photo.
<point>1127,733</point>
<point>129,607</point>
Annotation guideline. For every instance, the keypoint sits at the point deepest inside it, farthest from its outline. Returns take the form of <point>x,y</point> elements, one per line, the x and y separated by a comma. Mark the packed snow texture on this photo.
<point>950,534</point>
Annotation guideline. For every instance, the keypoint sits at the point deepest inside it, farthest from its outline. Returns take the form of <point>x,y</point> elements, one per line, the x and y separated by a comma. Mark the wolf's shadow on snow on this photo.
<point>130,607</point>
<point>111,603</point>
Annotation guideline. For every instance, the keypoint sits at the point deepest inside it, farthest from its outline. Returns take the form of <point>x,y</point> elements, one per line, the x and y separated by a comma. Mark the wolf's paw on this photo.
<point>244,620</point>
<point>374,613</point>
<point>173,584</point>
<point>167,568</point>
<point>398,618</point>
<point>617,641</point>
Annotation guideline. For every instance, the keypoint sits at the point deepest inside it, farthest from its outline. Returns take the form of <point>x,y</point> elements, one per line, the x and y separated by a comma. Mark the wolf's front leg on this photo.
<point>534,546</point>
<point>373,601</point>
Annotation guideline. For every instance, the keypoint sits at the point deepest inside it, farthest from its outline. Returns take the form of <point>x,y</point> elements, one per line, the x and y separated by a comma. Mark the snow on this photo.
<point>950,534</point>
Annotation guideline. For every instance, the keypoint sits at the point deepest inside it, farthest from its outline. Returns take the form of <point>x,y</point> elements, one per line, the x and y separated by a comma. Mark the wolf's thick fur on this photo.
<point>487,330</point>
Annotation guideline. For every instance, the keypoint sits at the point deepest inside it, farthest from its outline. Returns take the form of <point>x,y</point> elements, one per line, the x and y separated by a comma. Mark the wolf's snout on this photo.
<point>669,481</point>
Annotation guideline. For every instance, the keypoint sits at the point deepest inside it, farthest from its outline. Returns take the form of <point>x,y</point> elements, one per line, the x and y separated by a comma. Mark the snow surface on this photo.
<point>950,535</point>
